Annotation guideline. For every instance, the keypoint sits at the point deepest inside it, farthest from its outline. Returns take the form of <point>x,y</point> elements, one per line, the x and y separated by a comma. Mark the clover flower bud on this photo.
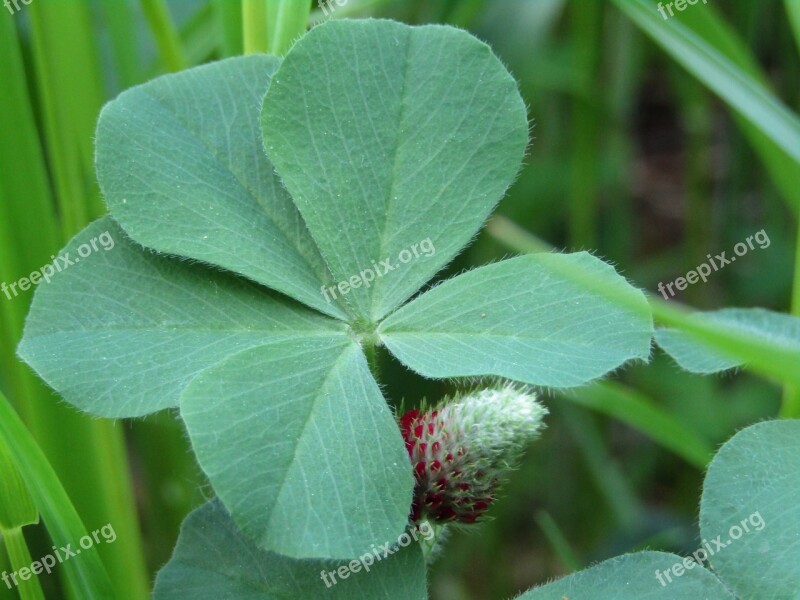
<point>462,450</point>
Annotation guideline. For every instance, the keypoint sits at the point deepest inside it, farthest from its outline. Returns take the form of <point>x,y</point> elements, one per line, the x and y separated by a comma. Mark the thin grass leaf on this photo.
<point>30,589</point>
<point>69,84</point>
<point>16,505</point>
<point>28,230</point>
<point>761,355</point>
<point>793,12</point>
<point>120,18</point>
<point>782,167</point>
<point>229,22</point>
<point>735,86</point>
<point>66,68</point>
<point>86,574</point>
<point>254,25</point>
<point>587,28</point>
<point>286,21</point>
<point>166,35</point>
<point>638,411</point>
<point>558,541</point>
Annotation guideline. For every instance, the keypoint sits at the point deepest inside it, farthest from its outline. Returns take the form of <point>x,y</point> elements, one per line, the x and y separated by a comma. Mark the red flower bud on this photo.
<point>462,450</point>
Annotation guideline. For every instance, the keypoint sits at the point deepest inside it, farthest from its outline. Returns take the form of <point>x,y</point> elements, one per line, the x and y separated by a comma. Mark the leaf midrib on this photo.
<point>248,192</point>
<point>319,394</point>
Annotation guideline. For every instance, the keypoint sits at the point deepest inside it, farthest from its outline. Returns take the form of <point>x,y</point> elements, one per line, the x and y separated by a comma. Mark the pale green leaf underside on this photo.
<point>121,333</point>
<point>694,356</point>
<point>632,577</point>
<point>524,319</point>
<point>182,167</point>
<point>214,561</point>
<point>754,478</point>
<point>302,448</point>
<point>387,135</point>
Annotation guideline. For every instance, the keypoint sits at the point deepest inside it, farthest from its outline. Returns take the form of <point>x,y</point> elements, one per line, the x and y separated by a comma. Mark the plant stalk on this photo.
<point>254,26</point>
<point>287,20</point>
<point>790,406</point>
<point>166,35</point>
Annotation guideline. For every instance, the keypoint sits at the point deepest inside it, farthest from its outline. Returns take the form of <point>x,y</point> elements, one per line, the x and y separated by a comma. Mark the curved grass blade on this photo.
<point>743,92</point>
<point>86,574</point>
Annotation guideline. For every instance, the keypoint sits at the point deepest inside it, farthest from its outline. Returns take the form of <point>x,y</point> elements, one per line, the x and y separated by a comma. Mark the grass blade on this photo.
<point>229,22</point>
<point>16,505</point>
<point>781,167</point>
<point>587,26</point>
<point>286,21</point>
<point>761,355</point>
<point>120,18</point>
<point>635,409</point>
<point>793,12</point>
<point>744,93</point>
<point>558,541</point>
<point>254,25</point>
<point>20,557</point>
<point>166,35</point>
<point>86,574</point>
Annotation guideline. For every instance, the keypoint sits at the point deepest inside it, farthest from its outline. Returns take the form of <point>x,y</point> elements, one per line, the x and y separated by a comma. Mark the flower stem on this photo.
<point>373,360</point>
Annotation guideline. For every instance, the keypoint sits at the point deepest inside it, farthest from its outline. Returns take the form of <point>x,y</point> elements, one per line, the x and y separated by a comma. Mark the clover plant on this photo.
<point>277,220</point>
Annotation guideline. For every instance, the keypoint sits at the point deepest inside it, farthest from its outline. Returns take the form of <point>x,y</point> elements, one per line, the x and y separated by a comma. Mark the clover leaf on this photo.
<point>213,560</point>
<point>749,527</point>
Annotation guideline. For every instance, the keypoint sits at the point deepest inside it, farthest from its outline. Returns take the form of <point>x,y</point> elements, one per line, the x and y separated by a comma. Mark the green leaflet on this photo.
<point>749,527</point>
<point>181,165</point>
<point>524,319</point>
<point>313,465</point>
<point>214,560</point>
<point>122,332</point>
<point>632,577</point>
<point>750,501</point>
<point>693,355</point>
<point>387,135</point>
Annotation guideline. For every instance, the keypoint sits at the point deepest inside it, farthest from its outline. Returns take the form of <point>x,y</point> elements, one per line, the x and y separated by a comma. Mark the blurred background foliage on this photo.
<point>631,157</point>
